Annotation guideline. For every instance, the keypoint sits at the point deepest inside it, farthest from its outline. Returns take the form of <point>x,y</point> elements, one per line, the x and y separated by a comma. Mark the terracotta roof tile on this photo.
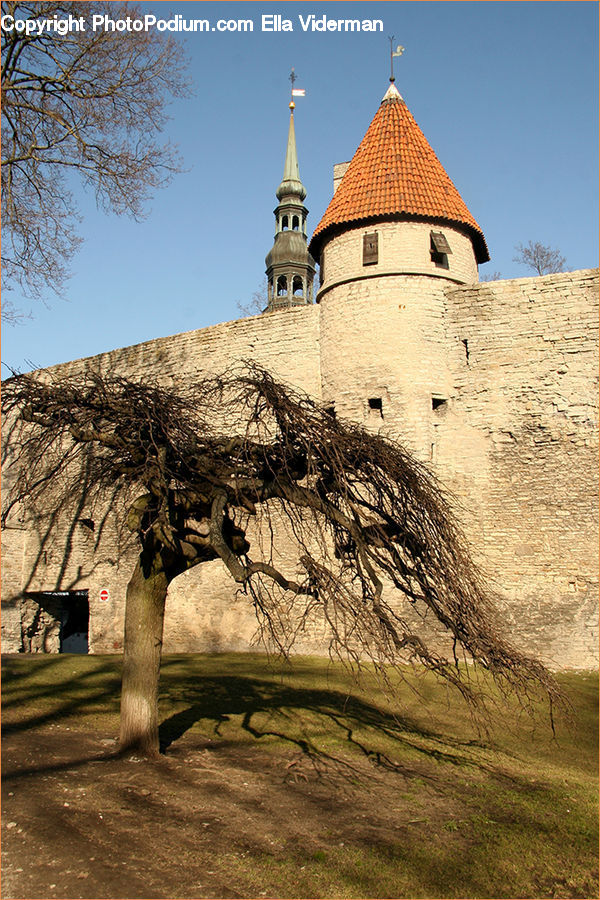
<point>395,172</point>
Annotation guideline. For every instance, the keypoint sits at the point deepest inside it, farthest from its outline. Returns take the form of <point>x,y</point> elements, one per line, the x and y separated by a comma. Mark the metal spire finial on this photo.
<point>296,92</point>
<point>397,52</point>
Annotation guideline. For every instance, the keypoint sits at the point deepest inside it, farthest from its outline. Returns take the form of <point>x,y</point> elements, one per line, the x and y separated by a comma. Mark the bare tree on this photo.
<point>212,472</point>
<point>491,276</point>
<point>540,258</point>
<point>85,102</point>
<point>11,315</point>
<point>257,303</point>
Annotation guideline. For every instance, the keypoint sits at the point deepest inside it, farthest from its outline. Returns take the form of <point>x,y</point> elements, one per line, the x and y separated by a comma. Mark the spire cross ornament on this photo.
<point>397,52</point>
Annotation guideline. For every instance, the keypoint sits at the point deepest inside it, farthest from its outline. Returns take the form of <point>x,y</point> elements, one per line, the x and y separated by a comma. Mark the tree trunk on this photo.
<point>144,617</point>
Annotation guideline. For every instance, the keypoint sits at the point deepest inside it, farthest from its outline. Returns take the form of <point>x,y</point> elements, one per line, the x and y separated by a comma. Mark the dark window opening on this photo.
<point>330,410</point>
<point>295,223</point>
<point>370,248</point>
<point>440,248</point>
<point>282,288</point>
<point>466,346</point>
<point>87,523</point>
<point>440,260</point>
<point>438,403</point>
<point>284,223</point>
<point>298,286</point>
<point>376,405</point>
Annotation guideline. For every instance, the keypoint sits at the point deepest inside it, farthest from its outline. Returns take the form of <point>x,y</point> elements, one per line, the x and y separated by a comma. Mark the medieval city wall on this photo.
<point>518,444</point>
<point>200,616</point>
<point>495,385</point>
<point>286,343</point>
<point>13,579</point>
<point>492,383</point>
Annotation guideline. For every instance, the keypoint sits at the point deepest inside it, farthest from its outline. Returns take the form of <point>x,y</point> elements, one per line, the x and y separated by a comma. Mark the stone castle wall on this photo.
<point>519,445</point>
<point>492,383</point>
<point>287,344</point>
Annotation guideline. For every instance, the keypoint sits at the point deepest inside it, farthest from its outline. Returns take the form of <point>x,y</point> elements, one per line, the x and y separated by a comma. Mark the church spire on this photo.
<point>290,267</point>
<point>291,183</point>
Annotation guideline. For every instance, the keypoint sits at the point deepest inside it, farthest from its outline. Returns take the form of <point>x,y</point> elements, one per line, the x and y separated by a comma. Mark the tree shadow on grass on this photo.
<point>297,716</point>
<point>331,730</point>
<point>51,694</point>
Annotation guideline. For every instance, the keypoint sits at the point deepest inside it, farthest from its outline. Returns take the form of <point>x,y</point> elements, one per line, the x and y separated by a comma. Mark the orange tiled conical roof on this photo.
<point>395,172</point>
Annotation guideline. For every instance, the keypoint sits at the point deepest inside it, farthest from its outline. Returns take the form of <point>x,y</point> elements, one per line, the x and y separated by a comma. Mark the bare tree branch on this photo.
<point>235,461</point>
<point>540,258</point>
<point>88,102</point>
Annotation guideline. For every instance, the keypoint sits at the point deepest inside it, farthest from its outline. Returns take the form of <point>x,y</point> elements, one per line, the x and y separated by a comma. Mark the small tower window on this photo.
<point>375,405</point>
<point>440,248</point>
<point>282,287</point>
<point>284,223</point>
<point>295,223</point>
<point>298,286</point>
<point>370,248</point>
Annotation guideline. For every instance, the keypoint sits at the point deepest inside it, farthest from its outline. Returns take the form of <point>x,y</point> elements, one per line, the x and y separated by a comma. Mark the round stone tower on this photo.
<point>290,267</point>
<point>395,235</point>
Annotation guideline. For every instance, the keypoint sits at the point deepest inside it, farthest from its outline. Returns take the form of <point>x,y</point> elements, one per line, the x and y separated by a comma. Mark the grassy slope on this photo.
<point>508,814</point>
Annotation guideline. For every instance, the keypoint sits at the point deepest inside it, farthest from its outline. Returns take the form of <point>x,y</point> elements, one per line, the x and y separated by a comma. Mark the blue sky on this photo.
<point>506,94</point>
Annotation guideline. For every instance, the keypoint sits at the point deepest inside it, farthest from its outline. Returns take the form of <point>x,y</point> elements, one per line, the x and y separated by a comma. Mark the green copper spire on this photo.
<point>291,184</point>
<point>290,267</point>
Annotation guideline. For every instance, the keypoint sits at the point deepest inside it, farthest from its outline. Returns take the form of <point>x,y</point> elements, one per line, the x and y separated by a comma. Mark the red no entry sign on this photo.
<point>104,594</point>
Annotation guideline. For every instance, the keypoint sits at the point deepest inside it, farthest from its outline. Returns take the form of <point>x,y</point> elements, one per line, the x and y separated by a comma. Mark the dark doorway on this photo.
<point>56,622</point>
<point>75,623</point>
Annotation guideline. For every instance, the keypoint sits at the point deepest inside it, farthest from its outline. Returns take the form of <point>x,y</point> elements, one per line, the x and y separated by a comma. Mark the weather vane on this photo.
<point>296,92</point>
<point>397,52</point>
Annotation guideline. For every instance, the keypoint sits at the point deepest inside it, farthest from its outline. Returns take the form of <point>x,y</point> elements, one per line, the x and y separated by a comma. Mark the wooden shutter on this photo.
<point>370,248</point>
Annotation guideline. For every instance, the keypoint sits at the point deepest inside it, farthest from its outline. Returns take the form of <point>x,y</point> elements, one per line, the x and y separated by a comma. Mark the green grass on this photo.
<point>507,812</point>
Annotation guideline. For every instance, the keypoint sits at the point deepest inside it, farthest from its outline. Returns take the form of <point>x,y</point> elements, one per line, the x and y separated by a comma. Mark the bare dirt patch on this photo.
<point>290,783</point>
<point>79,821</point>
